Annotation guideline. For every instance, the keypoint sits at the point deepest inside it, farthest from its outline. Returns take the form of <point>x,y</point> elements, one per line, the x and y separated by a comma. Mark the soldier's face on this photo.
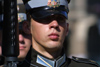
<point>49,33</point>
<point>24,44</point>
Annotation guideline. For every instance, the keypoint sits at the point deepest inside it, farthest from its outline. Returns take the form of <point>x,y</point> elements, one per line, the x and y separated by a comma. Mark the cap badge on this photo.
<point>20,18</point>
<point>53,3</point>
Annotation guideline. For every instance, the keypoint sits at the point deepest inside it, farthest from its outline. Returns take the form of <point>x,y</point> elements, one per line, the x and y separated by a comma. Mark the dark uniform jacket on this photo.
<point>38,60</point>
<point>1,60</point>
<point>26,61</point>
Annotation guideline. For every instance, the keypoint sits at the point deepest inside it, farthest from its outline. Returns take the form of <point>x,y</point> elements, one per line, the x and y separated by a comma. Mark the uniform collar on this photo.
<point>40,59</point>
<point>50,63</point>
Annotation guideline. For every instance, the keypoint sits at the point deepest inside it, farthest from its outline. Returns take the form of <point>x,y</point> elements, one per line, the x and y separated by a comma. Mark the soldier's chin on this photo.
<point>55,44</point>
<point>21,56</point>
<point>54,48</point>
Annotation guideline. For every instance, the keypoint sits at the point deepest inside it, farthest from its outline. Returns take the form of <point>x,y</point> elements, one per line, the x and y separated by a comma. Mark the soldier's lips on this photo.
<point>22,47</point>
<point>53,36</point>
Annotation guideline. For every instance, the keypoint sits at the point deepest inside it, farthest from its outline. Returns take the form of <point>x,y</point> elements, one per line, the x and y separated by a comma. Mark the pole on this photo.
<point>10,43</point>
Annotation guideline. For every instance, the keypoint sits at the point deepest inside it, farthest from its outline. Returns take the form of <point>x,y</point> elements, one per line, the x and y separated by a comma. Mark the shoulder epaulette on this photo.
<point>84,60</point>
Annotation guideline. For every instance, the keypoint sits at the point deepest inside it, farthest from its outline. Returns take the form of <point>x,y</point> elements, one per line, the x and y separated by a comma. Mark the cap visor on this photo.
<point>44,13</point>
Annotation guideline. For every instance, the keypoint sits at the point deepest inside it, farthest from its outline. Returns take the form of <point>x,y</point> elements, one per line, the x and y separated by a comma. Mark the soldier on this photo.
<point>24,37</point>
<point>24,41</point>
<point>49,27</point>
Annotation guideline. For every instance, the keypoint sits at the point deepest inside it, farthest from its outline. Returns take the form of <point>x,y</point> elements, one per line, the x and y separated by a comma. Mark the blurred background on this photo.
<point>84,33</point>
<point>83,39</point>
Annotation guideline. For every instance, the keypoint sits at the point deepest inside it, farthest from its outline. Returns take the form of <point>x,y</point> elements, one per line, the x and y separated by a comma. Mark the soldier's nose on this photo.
<point>54,24</point>
<point>21,38</point>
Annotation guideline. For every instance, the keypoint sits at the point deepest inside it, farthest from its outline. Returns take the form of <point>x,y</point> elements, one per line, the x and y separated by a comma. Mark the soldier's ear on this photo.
<point>26,27</point>
<point>67,28</point>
